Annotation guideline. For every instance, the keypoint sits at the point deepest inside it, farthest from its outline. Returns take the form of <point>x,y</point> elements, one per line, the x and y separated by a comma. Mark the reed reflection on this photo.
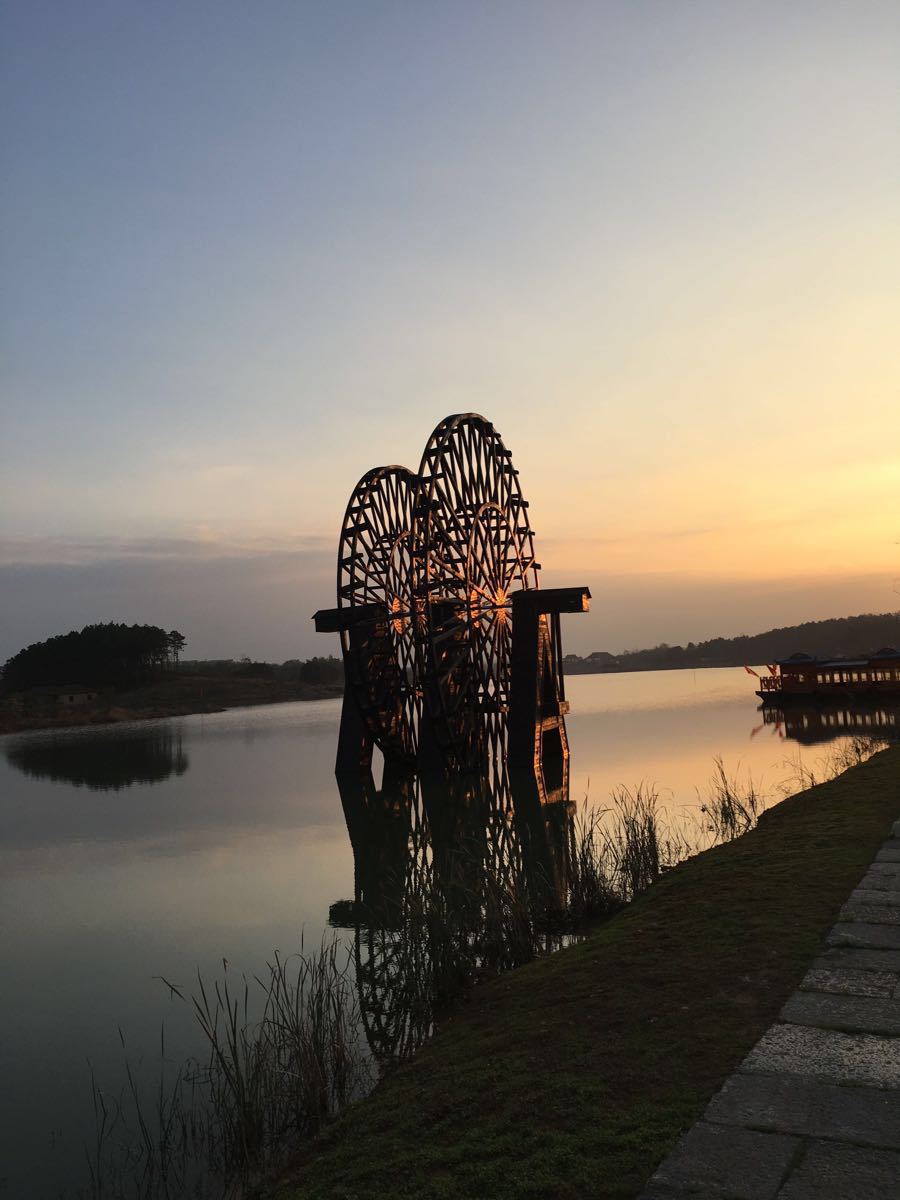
<point>104,764</point>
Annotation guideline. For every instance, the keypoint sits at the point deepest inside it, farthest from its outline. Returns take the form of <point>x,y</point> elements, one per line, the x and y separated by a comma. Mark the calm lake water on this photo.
<point>153,849</point>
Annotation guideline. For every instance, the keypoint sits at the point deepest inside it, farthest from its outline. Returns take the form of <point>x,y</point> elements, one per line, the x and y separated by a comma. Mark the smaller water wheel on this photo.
<point>475,550</point>
<point>375,579</point>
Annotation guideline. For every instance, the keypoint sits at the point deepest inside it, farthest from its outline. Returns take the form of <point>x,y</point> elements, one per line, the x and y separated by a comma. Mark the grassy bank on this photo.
<point>170,696</point>
<point>573,1076</point>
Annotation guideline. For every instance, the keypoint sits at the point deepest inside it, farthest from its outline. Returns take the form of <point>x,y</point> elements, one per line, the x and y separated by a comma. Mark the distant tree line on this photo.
<point>106,655</point>
<point>313,670</point>
<point>328,670</point>
<point>836,637</point>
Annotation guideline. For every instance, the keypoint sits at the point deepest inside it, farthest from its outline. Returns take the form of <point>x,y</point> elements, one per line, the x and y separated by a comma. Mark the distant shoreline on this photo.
<point>178,696</point>
<point>189,695</point>
<point>572,669</point>
<point>832,638</point>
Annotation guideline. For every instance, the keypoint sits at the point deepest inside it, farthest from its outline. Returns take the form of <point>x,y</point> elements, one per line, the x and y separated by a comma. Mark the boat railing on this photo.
<point>770,683</point>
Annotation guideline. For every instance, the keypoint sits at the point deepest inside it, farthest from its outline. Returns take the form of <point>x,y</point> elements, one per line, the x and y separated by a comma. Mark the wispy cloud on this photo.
<point>202,547</point>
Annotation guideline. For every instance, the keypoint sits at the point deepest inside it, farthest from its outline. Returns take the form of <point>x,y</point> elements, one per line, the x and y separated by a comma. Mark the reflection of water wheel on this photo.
<point>475,549</point>
<point>395,1000</point>
<point>375,569</point>
<point>444,868</point>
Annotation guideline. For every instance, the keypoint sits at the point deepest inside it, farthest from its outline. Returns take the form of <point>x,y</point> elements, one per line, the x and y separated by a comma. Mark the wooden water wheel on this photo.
<point>475,548</point>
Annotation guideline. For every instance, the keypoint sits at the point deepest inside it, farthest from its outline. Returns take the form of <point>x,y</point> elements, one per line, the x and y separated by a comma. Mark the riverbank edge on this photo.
<point>127,710</point>
<point>573,1077</point>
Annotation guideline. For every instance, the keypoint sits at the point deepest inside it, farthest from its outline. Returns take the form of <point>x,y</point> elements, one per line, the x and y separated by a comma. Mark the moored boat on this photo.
<point>804,679</point>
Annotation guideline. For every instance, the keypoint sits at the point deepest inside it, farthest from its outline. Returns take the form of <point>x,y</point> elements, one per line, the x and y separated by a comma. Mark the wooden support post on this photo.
<point>440,683</point>
<point>378,821</point>
<point>355,744</point>
<point>537,705</point>
<point>543,824</point>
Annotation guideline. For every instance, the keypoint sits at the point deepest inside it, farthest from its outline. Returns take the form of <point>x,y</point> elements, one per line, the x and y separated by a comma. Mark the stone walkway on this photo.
<point>813,1112</point>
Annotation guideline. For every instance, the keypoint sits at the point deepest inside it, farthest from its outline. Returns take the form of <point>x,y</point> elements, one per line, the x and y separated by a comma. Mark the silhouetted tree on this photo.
<point>177,642</point>
<point>322,670</point>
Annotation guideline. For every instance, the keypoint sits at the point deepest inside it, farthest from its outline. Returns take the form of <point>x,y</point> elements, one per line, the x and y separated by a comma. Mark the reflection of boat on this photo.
<point>810,724</point>
<point>105,763</point>
<point>802,679</point>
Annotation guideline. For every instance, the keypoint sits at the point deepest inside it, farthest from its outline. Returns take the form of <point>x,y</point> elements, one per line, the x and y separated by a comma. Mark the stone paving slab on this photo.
<point>866,935</point>
<point>881,883</point>
<point>884,896</point>
<point>880,867</point>
<point>889,852</point>
<point>809,1108</point>
<point>739,1163</point>
<point>865,1059</point>
<point>853,1014</point>
<point>875,914</point>
<point>834,1172</point>
<point>859,960</point>
<point>840,982</point>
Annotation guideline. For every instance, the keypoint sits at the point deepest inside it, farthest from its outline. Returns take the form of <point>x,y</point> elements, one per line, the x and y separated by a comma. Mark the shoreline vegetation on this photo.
<point>111,672</point>
<point>176,695</point>
<point>539,1075</point>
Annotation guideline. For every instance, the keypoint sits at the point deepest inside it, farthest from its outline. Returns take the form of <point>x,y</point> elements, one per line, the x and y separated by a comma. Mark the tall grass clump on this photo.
<point>639,843</point>
<point>851,753</point>
<point>848,753</point>
<point>730,808</point>
<point>284,1055</point>
<point>592,892</point>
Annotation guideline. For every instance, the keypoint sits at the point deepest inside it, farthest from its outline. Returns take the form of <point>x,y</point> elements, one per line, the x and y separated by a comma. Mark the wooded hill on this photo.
<point>106,655</point>
<point>837,637</point>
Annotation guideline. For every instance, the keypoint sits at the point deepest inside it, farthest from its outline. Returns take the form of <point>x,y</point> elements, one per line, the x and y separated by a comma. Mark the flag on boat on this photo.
<point>750,671</point>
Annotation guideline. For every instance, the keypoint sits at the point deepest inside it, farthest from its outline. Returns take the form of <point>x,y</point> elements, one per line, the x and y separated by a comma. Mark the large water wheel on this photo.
<point>475,549</point>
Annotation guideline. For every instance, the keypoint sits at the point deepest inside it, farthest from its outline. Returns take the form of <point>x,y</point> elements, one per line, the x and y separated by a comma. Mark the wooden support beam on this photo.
<point>335,620</point>
<point>537,707</point>
<point>552,600</point>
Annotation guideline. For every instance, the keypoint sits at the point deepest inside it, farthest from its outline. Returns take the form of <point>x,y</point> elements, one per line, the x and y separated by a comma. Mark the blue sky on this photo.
<point>251,250</point>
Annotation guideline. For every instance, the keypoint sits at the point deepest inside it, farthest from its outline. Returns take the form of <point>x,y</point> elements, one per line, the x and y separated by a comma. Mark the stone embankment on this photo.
<point>813,1112</point>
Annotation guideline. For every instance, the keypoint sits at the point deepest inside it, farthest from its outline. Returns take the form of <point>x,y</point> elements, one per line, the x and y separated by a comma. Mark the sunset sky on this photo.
<point>251,250</point>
